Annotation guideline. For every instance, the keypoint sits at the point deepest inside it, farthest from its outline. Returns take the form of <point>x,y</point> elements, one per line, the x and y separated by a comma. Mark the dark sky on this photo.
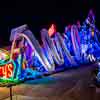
<point>41,13</point>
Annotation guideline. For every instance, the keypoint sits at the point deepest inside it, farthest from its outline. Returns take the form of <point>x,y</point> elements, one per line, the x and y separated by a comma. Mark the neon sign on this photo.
<point>6,71</point>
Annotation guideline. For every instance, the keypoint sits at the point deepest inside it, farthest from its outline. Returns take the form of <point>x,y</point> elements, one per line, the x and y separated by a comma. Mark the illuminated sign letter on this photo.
<point>6,71</point>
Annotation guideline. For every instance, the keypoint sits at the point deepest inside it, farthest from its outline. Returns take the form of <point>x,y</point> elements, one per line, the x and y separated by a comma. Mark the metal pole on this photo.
<point>10,92</point>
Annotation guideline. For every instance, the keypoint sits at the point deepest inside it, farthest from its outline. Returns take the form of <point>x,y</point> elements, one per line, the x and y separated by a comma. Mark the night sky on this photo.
<point>41,13</point>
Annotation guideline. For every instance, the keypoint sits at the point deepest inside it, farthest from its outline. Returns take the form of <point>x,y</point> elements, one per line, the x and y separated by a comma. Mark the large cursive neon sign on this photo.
<point>6,71</point>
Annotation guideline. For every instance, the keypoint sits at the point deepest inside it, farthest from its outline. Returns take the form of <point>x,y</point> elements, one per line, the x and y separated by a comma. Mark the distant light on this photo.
<point>52,30</point>
<point>99,63</point>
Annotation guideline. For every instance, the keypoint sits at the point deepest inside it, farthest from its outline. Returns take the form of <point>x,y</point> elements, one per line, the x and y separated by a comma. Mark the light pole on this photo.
<point>10,87</point>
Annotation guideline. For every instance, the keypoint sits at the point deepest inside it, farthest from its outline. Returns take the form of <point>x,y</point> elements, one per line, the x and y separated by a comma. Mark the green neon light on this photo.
<point>14,78</point>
